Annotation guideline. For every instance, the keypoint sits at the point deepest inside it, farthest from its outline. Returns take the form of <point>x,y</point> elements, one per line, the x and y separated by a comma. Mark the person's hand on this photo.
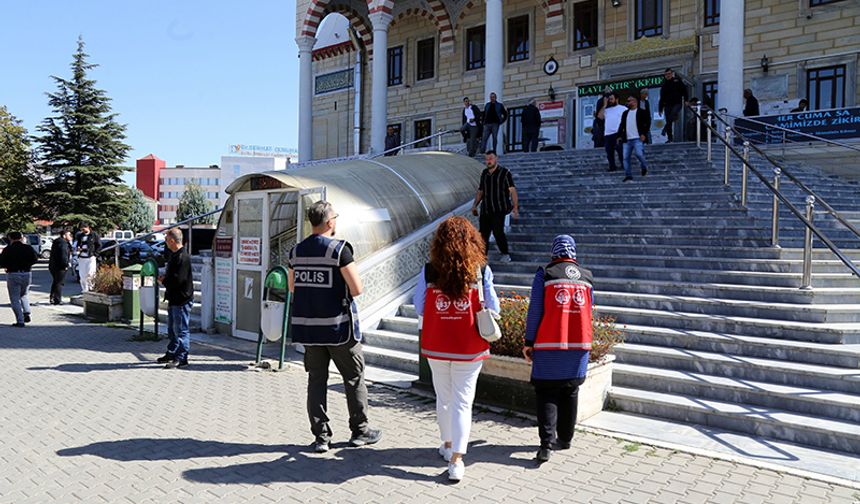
<point>527,353</point>
<point>161,279</point>
<point>515,213</point>
<point>475,211</point>
<point>642,137</point>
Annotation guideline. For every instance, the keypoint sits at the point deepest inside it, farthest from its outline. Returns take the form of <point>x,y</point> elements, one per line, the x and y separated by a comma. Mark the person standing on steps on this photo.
<point>58,264</point>
<point>18,259</point>
<point>392,141</point>
<point>558,342</point>
<point>89,246</point>
<point>497,196</point>
<point>323,278</point>
<point>531,122</point>
<point>635,124</point>
<point>751,108</point>
<point>495,114</point>
<point>178,282</point>
<point>645,104</point>
<point>673,95</point>
<point>612,121</point>
<point>471,126</point>
<point>447,298</point>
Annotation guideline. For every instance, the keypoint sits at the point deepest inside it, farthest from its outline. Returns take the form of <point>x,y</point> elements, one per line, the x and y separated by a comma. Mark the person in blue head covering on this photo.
<point>558,343</point>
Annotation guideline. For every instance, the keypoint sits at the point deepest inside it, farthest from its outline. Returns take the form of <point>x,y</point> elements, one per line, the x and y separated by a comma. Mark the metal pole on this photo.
<point>190,238</point>
<point>774,224</point>
<point>698,125</point>
<point>710,125</point>
<point>806,280</point>
<point>728,156</point>
<point>116,254</point>
<point>439,139</point>
<point>744,175</point>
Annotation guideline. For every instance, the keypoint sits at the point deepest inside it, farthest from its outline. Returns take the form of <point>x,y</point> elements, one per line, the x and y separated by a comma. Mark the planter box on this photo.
<point>102,307</point>
<point>504,381</point>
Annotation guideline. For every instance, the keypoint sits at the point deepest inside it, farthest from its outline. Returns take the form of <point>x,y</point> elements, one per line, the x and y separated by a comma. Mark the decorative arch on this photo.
<point>553,9</point>
<point>319,9</point>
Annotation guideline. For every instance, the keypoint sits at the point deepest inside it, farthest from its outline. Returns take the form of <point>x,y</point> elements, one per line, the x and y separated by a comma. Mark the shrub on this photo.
<point>108,280</point>
<point>514,310</point>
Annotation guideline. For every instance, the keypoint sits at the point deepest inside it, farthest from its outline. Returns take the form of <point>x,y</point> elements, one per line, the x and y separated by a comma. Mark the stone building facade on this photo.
<point>561,53</point>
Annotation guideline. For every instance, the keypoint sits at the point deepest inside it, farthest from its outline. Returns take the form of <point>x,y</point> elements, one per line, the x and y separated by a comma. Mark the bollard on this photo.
<point>708,133</point>
<point>806,280</point>
<point>728,156</point>
<point>745,174</point>
<point>774,224</point>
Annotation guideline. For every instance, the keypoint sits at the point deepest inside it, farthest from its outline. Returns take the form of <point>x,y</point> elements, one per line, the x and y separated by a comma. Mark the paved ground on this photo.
<point>87,417</point>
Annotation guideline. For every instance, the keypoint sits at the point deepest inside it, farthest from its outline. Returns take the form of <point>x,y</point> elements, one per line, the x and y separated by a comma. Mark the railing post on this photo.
<point>806,280</point>
<point>774,224</point>
<point>116,253</point>
<point>728,156</point>
<point>698,125</point>
<point>190,238</point>
<point>439,141</point>
<point>708,133</point>
<point>745,174</point>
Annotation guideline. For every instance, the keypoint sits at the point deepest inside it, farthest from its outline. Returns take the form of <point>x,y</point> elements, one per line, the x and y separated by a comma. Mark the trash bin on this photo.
<point>273,314</point>
<point>131,293</point>
<point>149,288</point>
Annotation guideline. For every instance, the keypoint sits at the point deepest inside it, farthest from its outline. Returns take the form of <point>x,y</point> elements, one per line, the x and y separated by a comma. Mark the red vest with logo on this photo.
<point>567,307</point>
<point>450,327</point>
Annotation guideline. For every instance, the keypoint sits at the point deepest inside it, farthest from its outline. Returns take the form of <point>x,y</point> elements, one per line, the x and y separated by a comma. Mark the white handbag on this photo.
<point>488,328</point>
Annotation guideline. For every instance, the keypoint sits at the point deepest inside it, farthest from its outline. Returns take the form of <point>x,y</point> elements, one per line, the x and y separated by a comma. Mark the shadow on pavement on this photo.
<point>128,450</point>
<point>83,367</point>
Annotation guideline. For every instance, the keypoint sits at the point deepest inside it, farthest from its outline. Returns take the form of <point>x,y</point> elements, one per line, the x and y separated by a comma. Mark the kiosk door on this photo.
<point>307,197</point>
<point>251,251</point>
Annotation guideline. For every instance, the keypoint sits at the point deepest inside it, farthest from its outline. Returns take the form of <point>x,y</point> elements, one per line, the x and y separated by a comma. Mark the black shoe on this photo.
<point>612,169</point>
<point>26,318</point>
<point>368,438</point>
<point>164,359</point>
<point>562,445</point>
<point>20,324</point>
<point>644,171</point>
<point>176,364</point>
<point>543,454</point>
<point>628,178</point>
<point>320,446</point>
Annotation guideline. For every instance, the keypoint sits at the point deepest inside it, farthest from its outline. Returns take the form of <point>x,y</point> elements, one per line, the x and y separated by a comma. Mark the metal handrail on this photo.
<point>788,130</point>
<point>439,134</point>
<point>805,219</point>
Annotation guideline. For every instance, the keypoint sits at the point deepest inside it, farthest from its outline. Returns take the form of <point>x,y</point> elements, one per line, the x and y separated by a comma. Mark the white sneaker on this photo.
<point>505,258</point>
<point>456,471</point>
<point>445,453</point>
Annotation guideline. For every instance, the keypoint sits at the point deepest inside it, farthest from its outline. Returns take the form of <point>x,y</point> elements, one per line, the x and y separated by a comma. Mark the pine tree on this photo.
<point>193,202</point>
<point>17,179</point>
<point>81,151</point>
<point>141,217</point>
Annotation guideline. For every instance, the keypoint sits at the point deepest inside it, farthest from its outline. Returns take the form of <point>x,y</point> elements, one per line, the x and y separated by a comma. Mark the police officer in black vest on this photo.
<point>324,282</point>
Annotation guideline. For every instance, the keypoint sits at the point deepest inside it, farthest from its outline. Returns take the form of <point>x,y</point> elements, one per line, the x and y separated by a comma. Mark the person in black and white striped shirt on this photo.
<point>498,198</point>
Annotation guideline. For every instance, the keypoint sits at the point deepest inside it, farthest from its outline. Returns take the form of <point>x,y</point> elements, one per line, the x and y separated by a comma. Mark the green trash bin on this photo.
<point>131,294</point>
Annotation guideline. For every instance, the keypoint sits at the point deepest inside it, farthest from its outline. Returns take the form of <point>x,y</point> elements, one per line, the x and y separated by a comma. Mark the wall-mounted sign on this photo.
<point>262,151</point>
<point>333,81</point>
<point>265,182</point>
<point>637,83</point>
<point>250,250</point>
<point>224,247</point>
<point>835,123</point>
<point>223,290</point>
<point>551,109</point>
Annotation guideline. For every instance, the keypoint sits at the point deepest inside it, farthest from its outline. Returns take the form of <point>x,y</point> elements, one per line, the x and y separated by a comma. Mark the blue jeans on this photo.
<point>490,131</point>
<point>18,286</point>
<point>179,337</point>
<point>636,147</point>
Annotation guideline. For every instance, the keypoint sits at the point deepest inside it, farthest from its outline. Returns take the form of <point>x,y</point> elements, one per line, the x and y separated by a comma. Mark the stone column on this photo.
<point>730,82</point>
<point>306,97</point>
<point>379,81</point>
<point>495,51</point>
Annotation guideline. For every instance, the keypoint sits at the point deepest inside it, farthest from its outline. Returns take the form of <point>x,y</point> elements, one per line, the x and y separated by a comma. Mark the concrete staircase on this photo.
<point>718,332</point>
<point>194,323</point>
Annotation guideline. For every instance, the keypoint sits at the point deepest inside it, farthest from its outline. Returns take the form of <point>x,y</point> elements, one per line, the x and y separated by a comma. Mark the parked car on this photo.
<point>46,242</point>
<point>35,241</point>
<point>132,252</point>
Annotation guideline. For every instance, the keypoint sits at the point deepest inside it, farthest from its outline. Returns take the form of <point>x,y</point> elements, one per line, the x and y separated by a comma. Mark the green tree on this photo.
<point>194,202</point>
<point>17,179</point>
<point>81,150</point>
<point>141,217</point>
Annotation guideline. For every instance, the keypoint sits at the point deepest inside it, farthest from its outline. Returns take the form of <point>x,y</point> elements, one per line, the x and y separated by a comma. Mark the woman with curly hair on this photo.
<point>448,300</point>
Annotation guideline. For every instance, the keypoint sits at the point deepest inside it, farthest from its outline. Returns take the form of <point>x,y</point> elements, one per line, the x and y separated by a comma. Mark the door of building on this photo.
<point>250,253</point>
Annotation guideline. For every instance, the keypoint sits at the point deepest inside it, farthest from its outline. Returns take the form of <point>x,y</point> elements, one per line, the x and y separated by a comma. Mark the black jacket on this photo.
<point>501,112</point>
<point>18,257</point>
<point>673,92</point>
<point>60,255</point>
<point>476,111</point>
<point>751,107</point>
<point>531,119</point>
<point>643,124</point>
<point>392,141</point>
<point>95,244</point>
<point>178,279</point>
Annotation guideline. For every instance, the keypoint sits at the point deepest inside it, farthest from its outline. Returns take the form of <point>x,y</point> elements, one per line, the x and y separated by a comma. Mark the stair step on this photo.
<point>386,358</point>
<point>381,338</point>
<point>399,324</point>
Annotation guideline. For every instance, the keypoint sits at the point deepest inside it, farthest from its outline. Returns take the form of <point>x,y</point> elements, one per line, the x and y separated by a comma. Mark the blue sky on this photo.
<point>188,77</point>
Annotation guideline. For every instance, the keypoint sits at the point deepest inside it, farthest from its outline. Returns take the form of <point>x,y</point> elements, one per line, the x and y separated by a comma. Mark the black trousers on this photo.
<point>612,146</point>
<point>349,360</point>
<point>673,114</point>
<point>556,410</point>
<point>493,223</point>
<point>530,141</point>
<point>58,280</point>
<point>472,139</point>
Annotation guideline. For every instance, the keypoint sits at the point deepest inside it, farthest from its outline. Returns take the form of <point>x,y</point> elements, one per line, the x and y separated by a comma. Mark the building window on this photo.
<point>816,3</point>
<point>712,12</point>
<point>426,59</point>
<point>825,87</point>
<point>514,127</point>
<point>649,18</point>
<point>423,129</point>
<point>585,24</point>
<point>518,39</point>
<point>709,94</point>
<point>395,66</point>
<point>476,47</point>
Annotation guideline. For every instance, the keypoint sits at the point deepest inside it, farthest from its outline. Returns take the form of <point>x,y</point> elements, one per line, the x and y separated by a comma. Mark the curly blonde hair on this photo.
<point>456,253</point>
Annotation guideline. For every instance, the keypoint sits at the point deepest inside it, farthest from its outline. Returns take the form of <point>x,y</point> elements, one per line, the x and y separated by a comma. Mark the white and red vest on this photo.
<point>567,307</point>
<point>450,327</point>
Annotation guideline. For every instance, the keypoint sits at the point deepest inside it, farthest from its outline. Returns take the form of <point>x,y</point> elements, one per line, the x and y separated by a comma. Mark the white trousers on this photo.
<point>454,383</point>
<point>87,269</point>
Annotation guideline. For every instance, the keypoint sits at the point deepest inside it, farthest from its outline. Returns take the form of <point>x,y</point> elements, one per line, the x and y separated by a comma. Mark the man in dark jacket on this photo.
<point>495,114</point>
<point>392,141</point>
<point>58,264</point>
<point>531,127</point>
<point>750,104</point>
<point>18,258</point>
<point>179,284</point>
<point>673,94</point>
<point>633,133</point>
<point>471,126</point>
